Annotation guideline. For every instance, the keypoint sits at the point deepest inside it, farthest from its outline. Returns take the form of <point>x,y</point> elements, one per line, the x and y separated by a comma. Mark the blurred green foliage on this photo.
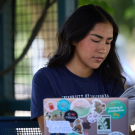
<point>101,3</point>
<point>130,13</point>
<point>123,12</point>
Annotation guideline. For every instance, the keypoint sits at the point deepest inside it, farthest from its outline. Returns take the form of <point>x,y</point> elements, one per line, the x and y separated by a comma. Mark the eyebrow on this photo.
<point>101,36</point>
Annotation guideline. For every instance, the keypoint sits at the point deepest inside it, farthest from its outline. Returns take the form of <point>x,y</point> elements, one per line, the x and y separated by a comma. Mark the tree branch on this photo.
<point>33,35</point>
<point>7,4</point>
<point>2,2</point>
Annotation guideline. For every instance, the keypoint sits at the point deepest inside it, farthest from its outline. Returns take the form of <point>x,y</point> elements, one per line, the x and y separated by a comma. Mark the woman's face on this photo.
<point>91,51</point>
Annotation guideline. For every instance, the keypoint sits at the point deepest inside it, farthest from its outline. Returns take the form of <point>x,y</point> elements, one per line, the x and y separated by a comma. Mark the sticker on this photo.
<point>81,106</point>
<point>63,105</point>
<point>77,126</point>
<point>57,115</point>
<point>86,125</point>
<point>85,133</point>
<point>57,134</point>
<point>116,109</point>
<point>50,105</point>
<point>47,115</point>
<point>116,133</point>
<point>98,106</point>
<point>92,117</point>
<point>73,134</point>
<point>59,126</point>
<point>71,116</point>
<point>104,124</point>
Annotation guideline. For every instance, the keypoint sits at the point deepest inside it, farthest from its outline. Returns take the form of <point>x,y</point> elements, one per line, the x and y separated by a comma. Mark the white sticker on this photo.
<point>104,124</point>
<point>92,117</point>
<point>59,126</point>
<point>116,133</point>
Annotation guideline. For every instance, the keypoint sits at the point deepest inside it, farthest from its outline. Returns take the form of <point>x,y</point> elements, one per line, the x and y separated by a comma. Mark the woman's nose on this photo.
<point>102,48</point>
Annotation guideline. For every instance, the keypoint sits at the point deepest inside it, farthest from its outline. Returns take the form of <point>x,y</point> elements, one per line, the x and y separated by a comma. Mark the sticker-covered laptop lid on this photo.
<point>85,116</point>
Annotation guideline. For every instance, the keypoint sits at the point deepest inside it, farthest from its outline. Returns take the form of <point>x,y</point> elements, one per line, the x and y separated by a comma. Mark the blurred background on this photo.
<point>28,35</point>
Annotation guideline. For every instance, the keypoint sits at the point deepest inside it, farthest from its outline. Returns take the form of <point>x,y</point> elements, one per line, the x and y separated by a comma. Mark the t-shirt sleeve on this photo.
<point>41,89</point>
<point>118,89</point>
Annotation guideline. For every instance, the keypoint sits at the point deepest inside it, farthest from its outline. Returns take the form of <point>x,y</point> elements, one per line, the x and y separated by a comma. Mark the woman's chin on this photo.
<point>95,67</point>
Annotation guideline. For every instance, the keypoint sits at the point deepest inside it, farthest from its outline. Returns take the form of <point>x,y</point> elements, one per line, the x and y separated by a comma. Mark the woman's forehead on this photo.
<point>103,30</point>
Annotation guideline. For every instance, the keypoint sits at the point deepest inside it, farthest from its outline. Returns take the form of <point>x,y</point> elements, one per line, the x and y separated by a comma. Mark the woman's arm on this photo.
<point>41,123</point>
<point>41,89</point>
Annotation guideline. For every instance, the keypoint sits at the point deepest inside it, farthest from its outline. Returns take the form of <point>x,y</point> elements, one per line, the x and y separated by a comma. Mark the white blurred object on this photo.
<point>22,113</point>
<point>121,41</point>
<point>122,49</point>
<point>130,74</point>
<point>38,59</point>
<point>130,94</point>
<point>133,127</point>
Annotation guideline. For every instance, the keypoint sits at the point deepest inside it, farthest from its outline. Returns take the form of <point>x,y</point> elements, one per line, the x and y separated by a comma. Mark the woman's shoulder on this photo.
<point>46,72</point>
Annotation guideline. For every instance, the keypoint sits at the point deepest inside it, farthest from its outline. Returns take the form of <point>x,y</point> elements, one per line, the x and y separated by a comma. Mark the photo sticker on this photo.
<point>77,126</point>
<point>57,115</point>
<point>81,106</point>
<point>104,124</point>
<point>50,105</point>
<point>47,115</point>
<point>63,105</point>
<point>116,109</point>
<point>98,107</point>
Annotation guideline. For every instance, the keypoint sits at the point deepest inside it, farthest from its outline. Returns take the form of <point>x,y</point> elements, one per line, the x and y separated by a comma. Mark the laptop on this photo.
<point>86,116</point>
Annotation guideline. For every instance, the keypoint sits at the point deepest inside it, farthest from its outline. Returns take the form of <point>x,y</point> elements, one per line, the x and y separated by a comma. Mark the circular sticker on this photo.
<point>57,115</point>
<point>115,133</point>
<point>92,117</point>
<point>116,109</point>
<point>63,105</point>
<point>81,106</point>
<point>50,105</point>
<point>71,116</point>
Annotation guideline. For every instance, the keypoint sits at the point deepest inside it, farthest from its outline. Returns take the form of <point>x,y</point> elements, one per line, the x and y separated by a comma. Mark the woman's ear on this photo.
<point>74,43</point>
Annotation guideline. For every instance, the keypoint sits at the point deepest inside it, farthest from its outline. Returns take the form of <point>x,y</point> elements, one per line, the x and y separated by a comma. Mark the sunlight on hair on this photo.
<point>22,113</point>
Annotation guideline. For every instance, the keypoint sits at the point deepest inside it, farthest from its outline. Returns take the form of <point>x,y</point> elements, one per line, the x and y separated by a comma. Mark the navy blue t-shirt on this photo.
<point>61,83</point>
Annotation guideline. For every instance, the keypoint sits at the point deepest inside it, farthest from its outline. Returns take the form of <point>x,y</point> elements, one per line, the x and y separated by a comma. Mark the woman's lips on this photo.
<point>99,59</point>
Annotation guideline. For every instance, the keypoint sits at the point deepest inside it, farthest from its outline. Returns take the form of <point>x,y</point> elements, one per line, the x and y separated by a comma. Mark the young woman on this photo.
<point>85,63</point>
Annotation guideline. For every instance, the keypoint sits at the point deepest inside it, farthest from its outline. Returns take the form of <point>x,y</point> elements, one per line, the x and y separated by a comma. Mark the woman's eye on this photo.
<point>108,43</point>
<point>95,41</point>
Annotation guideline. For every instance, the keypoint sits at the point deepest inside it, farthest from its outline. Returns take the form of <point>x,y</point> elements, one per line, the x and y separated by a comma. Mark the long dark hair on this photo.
<point>75,29</point>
